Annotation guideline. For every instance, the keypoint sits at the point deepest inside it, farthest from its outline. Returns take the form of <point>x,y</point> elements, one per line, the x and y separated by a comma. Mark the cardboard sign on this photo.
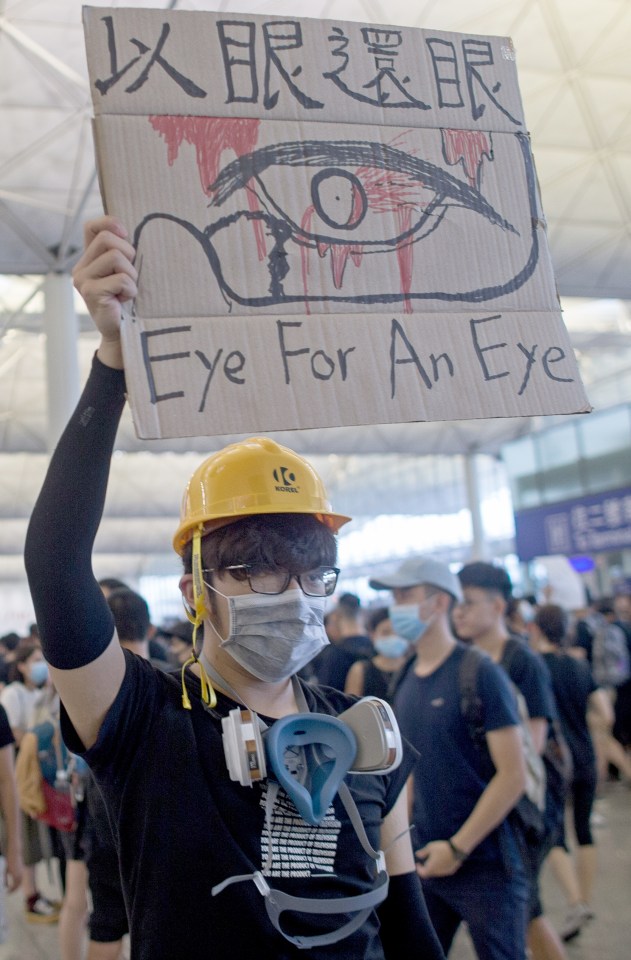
<point>335,224</point>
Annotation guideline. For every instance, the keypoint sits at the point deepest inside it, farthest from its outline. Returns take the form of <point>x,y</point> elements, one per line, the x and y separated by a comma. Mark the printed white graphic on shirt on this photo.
<point>298,848</point>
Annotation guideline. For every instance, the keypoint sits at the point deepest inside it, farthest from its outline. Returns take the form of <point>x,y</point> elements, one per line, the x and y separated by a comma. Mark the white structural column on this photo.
<point>479,547</point>
<point>62,356</point>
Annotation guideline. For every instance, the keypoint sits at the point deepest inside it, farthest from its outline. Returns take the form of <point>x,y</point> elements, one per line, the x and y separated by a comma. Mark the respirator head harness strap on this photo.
<point>330,747</point>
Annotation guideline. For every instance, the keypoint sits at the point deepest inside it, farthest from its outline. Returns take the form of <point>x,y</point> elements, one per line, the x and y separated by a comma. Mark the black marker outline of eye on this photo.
<point>358,153</point>
<point>355,184</point>
<point>231,179</point>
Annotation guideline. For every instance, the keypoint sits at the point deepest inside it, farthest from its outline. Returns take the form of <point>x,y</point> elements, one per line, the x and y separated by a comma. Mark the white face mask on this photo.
<point>274,636</point>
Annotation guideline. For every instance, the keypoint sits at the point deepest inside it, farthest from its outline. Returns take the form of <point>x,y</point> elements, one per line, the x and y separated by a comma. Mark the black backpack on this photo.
<point>528,815</point>
<point>557,757</point>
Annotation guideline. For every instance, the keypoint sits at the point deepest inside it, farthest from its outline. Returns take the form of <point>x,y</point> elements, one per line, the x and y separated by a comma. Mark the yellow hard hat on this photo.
<point>251,477</point>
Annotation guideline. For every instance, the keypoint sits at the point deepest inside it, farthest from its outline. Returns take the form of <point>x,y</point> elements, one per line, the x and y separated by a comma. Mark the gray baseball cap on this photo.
<point>420,570</point>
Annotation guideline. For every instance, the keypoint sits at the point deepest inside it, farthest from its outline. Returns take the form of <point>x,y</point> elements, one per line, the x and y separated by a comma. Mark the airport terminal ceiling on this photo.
<point>575,80</point>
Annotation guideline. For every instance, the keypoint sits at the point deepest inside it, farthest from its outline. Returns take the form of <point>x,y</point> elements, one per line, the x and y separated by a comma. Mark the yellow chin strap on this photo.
<point>209,697</point>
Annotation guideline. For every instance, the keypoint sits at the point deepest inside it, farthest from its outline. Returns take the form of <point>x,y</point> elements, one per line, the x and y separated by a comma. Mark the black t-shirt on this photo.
<point>182,826</point>
<point>6,736</point>
<point>333,663</point>
<point>573,684</point>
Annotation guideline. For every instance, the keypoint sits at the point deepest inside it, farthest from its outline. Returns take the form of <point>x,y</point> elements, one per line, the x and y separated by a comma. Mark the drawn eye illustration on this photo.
<point>355,195</point>
<point>332,221</point>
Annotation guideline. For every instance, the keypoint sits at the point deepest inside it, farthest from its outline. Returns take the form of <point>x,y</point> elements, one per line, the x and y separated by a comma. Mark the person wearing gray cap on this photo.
<point>466,852</point>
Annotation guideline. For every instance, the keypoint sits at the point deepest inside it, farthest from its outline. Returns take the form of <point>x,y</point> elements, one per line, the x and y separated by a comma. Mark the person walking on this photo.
<point>576,695</point>
<point>466,851</point>
<point>480,619</point>
<point>28,700</point>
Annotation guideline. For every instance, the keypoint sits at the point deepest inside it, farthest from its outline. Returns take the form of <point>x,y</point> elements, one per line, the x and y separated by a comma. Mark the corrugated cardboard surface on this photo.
<point>324,238</point>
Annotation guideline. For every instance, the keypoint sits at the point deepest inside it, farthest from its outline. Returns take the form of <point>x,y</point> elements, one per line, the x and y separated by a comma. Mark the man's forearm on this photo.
<point>498,799</point>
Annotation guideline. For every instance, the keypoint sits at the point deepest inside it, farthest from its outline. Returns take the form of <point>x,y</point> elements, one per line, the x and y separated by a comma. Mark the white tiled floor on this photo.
<point>608,936</point>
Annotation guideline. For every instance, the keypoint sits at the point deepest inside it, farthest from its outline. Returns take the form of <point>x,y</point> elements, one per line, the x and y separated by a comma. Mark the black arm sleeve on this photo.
<point>73,617</point>
<point>406,929</point>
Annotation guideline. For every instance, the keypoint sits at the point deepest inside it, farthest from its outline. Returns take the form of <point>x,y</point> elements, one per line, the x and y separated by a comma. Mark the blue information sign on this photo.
<point>594,524</point>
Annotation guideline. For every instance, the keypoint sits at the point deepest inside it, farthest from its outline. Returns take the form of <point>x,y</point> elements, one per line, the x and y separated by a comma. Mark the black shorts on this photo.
<point>108,920</point>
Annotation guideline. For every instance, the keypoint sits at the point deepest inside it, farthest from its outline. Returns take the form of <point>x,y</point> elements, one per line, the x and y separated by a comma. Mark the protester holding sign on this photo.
<point>272,864</point>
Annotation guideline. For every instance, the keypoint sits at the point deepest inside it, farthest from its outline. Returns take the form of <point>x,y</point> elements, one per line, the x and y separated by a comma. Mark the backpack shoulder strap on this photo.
<point>470,703</point>
<point>513,651</point>
<point>399,676</point>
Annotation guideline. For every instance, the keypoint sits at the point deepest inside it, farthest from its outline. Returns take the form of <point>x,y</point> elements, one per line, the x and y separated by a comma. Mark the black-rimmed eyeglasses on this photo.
<point>319,582</point>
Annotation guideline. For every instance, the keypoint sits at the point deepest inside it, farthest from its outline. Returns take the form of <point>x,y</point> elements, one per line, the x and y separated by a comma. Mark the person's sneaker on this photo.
<point>41,910</point>
<point>575,920</point>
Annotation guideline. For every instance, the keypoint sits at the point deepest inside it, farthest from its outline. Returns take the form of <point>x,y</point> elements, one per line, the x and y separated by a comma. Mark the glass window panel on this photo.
<point>607,472</point>
<point>519,457</point>
<point>558,446</point>
<point>605,432</point>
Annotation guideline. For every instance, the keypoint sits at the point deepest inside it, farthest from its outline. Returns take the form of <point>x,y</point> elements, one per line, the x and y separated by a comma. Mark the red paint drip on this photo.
<point>305,224</point>
<point>211,136</point>
<point>339,254</point>
<point>470,146</point>
<point>405,254</point>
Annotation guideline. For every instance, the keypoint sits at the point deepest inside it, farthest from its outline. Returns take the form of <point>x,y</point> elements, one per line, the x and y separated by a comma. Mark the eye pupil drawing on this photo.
<point>339,198</point>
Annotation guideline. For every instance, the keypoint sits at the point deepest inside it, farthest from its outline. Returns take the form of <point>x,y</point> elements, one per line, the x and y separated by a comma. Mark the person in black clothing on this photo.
<point>377,677</point>
<point>480,619</point>
<point>349,643</point>
<point>575,693</point>
<point>212,851</point>
<point>622,706</point>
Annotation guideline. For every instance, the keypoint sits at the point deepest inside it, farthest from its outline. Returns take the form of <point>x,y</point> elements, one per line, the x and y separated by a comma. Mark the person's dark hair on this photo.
<point>10,640</point>
<point>486,576</point>
<point>604,605</point>
<point>182,630</point>
<point>553,622</point>
<point>112,583</point>
<point>22,653</point>
<point>349,604</point>
<point>131,614</point>
<point>512,607</point>
<point>375,617</point>
<point>277,541</point>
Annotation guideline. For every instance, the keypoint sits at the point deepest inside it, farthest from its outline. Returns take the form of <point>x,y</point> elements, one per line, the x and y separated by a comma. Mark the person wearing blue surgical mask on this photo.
<point>377,677</point>
<point>27,700</point>
<point>466,854</point>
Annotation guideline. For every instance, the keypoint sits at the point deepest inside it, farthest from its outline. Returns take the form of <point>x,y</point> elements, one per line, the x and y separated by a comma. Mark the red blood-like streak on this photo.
<point>340,252</point>
<point>470,146</point>
<point>211,136</point>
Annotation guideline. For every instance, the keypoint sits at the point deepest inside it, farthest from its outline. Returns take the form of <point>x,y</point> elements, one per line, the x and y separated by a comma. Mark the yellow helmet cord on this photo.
<point>209,696</point>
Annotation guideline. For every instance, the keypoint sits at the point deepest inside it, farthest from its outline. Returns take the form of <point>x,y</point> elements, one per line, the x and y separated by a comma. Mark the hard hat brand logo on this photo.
<point>285,480</point>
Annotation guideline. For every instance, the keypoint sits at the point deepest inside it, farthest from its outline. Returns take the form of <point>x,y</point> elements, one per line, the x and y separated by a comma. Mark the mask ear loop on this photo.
<point>196,617</point>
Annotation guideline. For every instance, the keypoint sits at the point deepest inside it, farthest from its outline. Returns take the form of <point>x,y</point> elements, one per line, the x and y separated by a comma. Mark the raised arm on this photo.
<point>75,623</point>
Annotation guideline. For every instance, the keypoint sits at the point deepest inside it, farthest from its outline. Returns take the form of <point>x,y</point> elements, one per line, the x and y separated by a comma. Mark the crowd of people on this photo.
<point>89,910</point>
<point>569,695</point>
<point>463,808</point>
<point>286,768</point>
